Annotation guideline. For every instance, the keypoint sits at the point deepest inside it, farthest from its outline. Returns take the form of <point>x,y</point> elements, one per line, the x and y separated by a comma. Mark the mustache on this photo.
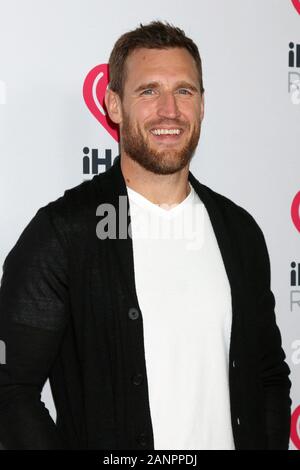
<point>167,123</point>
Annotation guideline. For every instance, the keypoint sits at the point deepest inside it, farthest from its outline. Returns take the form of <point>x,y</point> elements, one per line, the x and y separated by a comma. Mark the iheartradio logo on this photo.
<point>296,4</point>
<point>295,211</point>
<point>94,88</point>
<point>295,428</point>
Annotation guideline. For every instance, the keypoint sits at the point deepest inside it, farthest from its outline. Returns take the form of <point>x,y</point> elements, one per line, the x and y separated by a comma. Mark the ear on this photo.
<point>113,106</point>
<point>202,107</point>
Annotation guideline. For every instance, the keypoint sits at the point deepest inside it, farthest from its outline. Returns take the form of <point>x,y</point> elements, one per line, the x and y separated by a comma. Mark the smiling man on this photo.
<point>160,116</point>
<point>149,340</point>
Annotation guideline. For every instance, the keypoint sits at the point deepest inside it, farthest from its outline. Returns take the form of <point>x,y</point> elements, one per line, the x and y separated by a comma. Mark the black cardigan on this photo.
<point>69,312</point>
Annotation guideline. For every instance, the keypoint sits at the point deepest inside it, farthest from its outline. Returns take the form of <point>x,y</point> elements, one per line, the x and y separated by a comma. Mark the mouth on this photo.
<point>163,134</point>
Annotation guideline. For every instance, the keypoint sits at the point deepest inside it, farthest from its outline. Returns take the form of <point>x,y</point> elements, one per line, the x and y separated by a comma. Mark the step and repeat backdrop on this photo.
<point>54,133</point>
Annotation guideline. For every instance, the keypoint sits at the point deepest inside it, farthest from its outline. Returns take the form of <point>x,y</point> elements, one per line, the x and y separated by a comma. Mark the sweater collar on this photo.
<point>111,185</point>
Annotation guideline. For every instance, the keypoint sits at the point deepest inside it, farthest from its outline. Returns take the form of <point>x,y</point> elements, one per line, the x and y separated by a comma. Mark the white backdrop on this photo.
<point>249,146</point>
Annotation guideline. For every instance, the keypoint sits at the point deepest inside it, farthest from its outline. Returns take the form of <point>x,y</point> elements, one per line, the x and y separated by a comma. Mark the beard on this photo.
<point>161,162</point>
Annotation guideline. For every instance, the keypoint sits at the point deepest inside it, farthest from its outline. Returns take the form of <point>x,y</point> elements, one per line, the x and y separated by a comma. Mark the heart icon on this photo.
<point>296,4</point>
<point>295,422</point>
<point>94,88</point>
<point>295,211</point>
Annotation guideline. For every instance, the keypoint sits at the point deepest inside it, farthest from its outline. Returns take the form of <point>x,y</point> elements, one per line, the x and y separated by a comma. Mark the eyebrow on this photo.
<point>181,84</point>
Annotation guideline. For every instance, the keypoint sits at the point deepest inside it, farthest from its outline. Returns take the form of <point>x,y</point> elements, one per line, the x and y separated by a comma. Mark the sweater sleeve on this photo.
<point>274,371</point>
<point>33,318</point>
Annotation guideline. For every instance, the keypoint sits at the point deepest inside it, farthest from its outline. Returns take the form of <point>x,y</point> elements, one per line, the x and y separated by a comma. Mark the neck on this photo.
<point>159,189</point>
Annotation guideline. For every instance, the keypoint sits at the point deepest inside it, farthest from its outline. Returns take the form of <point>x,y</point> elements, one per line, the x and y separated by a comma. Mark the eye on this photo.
<point>145,91</point>
<point>185,90</point>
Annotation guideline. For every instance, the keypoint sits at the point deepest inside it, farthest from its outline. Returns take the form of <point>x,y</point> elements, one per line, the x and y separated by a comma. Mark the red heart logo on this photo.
<point>296,4</point>
<point>295,211</point>
<point>94,88</point>
<point>295,435</point>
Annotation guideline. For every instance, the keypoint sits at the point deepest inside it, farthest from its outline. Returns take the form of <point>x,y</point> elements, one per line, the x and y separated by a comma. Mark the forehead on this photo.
<point>174,63</point>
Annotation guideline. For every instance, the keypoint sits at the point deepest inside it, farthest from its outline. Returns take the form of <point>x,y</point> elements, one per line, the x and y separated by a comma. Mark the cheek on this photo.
<point>143,111</point>
<point>194,119</point>
<point>190,111</point>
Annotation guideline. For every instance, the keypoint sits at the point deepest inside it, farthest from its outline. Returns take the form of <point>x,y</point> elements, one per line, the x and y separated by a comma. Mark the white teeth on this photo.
<point>165,131</point>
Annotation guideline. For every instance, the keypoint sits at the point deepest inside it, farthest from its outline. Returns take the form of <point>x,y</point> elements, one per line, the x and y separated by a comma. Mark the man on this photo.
<point>149,342</point>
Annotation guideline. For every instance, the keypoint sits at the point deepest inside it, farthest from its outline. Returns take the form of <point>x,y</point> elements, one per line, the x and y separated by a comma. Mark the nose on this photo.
<point>168,106</point>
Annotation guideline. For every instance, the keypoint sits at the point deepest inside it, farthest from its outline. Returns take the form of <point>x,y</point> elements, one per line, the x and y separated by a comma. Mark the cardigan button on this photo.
<point>137,379</point>
<point>142,439</point>
<point>133,313</point>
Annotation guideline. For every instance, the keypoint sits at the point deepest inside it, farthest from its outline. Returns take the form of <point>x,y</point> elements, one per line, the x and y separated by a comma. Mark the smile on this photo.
<point>166,131</point>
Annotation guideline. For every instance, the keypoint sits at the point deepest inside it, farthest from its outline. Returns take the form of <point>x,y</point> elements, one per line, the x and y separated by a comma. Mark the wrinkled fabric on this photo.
<point>69,312</point>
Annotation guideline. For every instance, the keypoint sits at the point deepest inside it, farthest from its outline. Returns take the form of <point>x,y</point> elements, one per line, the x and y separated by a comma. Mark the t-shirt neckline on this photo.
<point>145,203</point>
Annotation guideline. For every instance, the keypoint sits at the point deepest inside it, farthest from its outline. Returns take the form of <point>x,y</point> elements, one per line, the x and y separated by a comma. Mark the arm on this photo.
<point>33,317</point>
<point>274,371</point>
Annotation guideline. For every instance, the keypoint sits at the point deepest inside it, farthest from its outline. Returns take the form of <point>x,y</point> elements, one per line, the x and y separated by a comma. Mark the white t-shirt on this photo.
<point>185,299</point>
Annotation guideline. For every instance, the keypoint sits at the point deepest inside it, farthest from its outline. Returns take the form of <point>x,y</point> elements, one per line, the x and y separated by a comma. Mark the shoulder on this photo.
<point>239,220</point>
<point>70,213</point>
<point>246,236</point>
<point>74,198</point>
